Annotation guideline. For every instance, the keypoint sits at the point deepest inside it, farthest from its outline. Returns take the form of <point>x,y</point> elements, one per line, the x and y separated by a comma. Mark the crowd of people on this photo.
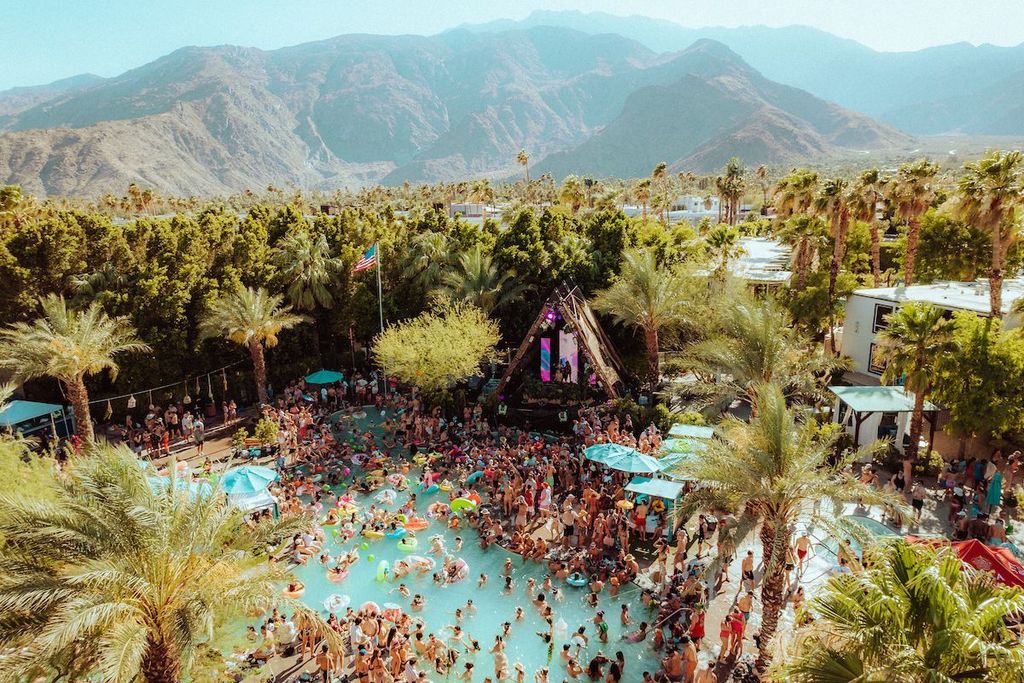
<point>539,497</point>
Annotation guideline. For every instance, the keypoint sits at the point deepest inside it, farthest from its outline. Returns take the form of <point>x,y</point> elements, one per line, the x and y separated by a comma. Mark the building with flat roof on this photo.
<point>867,311</point>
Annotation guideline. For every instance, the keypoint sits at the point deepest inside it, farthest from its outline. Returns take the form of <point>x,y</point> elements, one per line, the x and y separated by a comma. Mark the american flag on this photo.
<point>368,261</point>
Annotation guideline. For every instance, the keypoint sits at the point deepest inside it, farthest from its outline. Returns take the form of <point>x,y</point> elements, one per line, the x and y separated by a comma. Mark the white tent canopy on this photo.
<point>254,501</point>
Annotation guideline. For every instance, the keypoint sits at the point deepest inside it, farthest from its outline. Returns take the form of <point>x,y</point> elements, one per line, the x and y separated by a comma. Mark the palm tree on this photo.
<point>864,199</point>
<point>308,270</point>
<point>756,344</point>
<point>478,281</point>
<point>807,235</point>
<point>772,470</point>
<point>916,616</point>
<point>991,192</point>
<point>523,159</point>
<point>795,192</point>
<point>251,318</point>
<point>761,173</point>
<point>68,345</point>
<point>722,244</point>
<point>912,192</point>
<point>572,193</point>
<point>917,334</point>
<point>647,296</point>
<point>130,578</point>
<point>429,257</point>
<point>832,203</point>
<point>642,193</point>
<point>483,193</point>
<point>730,189</point>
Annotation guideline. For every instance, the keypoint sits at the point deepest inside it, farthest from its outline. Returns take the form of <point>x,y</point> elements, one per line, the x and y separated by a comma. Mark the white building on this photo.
<point>867,310</point>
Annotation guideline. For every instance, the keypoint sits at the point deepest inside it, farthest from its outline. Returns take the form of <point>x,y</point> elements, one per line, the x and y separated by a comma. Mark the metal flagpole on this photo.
<point>380,305</point>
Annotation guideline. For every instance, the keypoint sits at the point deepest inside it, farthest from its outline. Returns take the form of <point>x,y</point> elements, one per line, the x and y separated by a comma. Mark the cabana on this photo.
<point>30,417</point>
<point>261,500</point>
<point>669,491</point>
<point>879,412</point>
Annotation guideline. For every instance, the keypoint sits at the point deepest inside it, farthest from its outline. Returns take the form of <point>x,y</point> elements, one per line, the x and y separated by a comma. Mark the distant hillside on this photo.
<point>718,108</point>
<point>897,87</point>
<point>360,109</point>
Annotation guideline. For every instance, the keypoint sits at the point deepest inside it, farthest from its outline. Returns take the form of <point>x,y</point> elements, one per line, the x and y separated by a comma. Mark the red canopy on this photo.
<point>999,561</point>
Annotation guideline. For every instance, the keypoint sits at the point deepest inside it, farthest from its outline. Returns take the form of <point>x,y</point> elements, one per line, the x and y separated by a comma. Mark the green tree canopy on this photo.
<point>980,378</point>
<point>914,616</point>
<point>438,348</point>
<point>125,579</point>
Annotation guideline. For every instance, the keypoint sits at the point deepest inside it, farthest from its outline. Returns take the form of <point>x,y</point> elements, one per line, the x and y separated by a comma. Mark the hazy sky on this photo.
<point>43,40</point>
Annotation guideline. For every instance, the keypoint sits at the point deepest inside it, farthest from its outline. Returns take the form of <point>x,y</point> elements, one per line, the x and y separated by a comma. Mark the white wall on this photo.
<point>858,335</point>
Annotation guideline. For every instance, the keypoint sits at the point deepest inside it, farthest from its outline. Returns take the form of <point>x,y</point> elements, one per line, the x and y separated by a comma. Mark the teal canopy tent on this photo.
<point>324,377</point>
<point>691,431</point>
<point>200,489</point>
<point>683,445</point>
<point>622,458</point>
<point>28,417</point>
<point>659,488</point>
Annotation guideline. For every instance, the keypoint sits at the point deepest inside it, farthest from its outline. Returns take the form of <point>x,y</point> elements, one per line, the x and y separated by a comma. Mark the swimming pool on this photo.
<point>492,606</point>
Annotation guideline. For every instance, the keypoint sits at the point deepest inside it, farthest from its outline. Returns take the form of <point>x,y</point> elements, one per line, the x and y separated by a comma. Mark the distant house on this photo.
<point>762,263</point>
<point>867,311</point>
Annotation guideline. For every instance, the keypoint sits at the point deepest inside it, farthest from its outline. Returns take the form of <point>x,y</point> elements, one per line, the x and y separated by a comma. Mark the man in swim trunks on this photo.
<point>803,547</point>
<point>747,567</point>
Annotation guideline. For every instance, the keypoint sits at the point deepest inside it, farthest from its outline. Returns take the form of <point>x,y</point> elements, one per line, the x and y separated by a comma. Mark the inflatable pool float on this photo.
<point>472,479</point>
<point>370,607</point>
<point>417,562</point>
<point>436,509</point>
<point>336,603</point>
<point>348,509</point>
<point>461,571</point>
<point>370,533</point>
<point>576,579</point>
<point>401,518</point>
<point>475,497</point>
<point>329,522</point>
<point>386,497</point>
<point>408,544</point>
<point>419,459</point>
<point>396,533</point>
<point>416,524</point>
<point>396,479</point>
<point>391,612</point>
<point>337,577</point>
<point>294,594</point>
<point>462,504</point>
<point>382,570</point>
<point>445,485</point>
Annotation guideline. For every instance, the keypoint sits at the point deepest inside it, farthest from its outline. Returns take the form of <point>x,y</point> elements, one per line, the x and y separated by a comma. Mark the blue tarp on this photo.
<point>17,412</point>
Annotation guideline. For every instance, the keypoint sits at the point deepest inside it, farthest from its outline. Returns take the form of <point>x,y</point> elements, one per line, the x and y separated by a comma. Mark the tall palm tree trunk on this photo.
<point>876,254</point>
<point>774,540</point>
<point>159,665</point>
<point>916,422</point>
<point>259,367</point>
<point>653,369</point>
<point>913,230</point>
<point>802,264</point>
<point>995,274</point>
<point>79,397</point>
<point>838,251</point>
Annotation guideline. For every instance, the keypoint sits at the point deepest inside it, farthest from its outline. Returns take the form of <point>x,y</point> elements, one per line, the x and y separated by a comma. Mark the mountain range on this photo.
<point>917,91</point>
<point>583,93</point>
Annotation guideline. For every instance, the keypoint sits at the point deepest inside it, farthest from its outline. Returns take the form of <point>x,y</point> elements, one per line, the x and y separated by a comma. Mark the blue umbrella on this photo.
<point>324,377</point>
<point>247,480</point>
<point>622,458</point>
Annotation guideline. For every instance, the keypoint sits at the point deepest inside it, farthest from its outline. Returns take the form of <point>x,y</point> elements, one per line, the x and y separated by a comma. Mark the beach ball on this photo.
<point>346,471</point>
<point>334,532</point>
<point>364,545</point>
<point>369,558</point>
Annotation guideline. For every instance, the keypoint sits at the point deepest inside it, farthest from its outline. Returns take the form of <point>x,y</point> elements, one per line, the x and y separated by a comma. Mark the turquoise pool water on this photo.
<point>493,606</point>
